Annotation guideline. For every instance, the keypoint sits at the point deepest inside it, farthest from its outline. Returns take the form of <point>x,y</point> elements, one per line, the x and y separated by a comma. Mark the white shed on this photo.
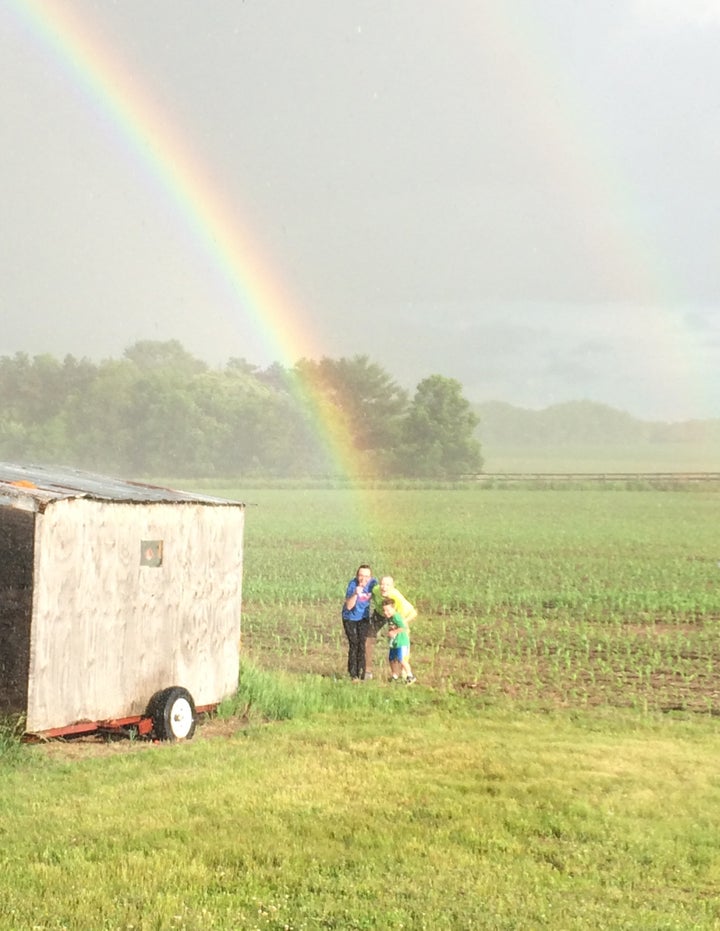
<point>120,602</point>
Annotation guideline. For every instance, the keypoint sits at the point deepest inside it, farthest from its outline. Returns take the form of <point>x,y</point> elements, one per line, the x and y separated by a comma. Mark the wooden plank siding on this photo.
<point>108,631</point>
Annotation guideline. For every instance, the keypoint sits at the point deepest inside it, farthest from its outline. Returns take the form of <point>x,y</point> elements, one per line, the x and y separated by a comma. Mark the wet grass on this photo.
<point>438,818</point>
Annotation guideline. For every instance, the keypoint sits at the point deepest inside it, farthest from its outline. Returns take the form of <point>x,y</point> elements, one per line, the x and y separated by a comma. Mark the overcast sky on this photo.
<point>522,195</point>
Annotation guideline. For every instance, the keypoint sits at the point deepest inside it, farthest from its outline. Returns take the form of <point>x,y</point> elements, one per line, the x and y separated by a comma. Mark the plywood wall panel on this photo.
<point>108,632</point>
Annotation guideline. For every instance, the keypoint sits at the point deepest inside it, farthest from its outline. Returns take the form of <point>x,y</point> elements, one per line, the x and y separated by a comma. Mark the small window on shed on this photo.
<point>151,552</point>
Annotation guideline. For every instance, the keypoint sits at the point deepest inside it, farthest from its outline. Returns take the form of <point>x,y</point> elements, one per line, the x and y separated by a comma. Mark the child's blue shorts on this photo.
<point>398,654</point>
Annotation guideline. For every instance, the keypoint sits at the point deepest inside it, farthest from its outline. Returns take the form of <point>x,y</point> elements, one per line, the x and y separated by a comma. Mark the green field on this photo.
<point>555,767</point>
<point>561,598</point>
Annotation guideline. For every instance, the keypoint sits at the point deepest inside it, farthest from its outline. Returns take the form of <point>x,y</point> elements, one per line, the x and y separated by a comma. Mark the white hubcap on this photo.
<point>181,718</point>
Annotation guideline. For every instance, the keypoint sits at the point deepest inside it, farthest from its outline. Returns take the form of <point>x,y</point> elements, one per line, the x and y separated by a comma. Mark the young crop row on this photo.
<point>549,596</point>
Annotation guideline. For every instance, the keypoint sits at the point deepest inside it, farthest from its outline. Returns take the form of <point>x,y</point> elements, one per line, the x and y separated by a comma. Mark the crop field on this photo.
<point>551,597</point>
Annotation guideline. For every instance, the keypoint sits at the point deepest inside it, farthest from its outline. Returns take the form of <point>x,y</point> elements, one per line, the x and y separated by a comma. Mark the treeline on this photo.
<point>590,422</point>
<point>158,410</point>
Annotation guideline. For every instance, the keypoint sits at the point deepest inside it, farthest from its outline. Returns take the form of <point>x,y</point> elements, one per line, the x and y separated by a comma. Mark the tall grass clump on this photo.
<point>11,731</point>
<point>276,695</point>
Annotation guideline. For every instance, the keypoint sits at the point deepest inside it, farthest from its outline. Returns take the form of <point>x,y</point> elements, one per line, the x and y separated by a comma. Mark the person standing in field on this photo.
<point>385,588</point>
<point>399,634</point>
<point>356,620</point>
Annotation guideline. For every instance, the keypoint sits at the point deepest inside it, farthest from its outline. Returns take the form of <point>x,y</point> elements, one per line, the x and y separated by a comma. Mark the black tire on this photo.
<point>173,714</point>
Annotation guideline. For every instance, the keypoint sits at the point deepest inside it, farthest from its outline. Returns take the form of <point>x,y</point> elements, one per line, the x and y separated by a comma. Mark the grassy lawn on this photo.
<point>424,814</point>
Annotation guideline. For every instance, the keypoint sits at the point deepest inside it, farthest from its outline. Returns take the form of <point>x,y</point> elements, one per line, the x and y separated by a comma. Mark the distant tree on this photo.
<point>438,432</point>
<point>35,394</point>
<point>276,376</point>
<point>360,402</point>
<point>101,421</point>
<point>149,355</point>
<point>241,364</point>
<point>14,441</point>
<point>31,389</point>
<point>250,427</point>
<point>78,375</point>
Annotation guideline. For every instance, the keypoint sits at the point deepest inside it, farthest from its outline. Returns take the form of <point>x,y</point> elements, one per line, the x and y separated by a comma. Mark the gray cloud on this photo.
<point>521,198</point>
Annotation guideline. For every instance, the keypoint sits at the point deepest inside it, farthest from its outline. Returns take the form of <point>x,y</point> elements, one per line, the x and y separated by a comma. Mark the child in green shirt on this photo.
<point>399,635</point>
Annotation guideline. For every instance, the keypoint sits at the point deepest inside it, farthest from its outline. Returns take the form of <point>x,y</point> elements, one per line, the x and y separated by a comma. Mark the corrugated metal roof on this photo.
<point>34,486</point>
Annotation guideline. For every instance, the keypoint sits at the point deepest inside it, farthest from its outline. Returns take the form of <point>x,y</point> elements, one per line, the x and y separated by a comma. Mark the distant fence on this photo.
<point>596,478</point>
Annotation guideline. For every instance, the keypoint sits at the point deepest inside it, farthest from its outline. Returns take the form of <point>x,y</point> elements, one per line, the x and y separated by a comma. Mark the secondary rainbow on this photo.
<point>571,145</point>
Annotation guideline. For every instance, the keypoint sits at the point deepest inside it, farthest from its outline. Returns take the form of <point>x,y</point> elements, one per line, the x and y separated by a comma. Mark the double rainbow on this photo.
<point>522,56</point>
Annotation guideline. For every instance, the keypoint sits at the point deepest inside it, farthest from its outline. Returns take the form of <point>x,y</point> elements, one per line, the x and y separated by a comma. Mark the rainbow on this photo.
<point>569,142</point>
<point>164,154</point>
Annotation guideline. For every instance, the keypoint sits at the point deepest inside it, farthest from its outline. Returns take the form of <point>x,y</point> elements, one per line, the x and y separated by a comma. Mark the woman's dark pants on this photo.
<point>356,632</point>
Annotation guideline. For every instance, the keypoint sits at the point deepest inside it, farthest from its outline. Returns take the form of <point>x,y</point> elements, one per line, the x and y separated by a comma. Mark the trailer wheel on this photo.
<point>173,714</point>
